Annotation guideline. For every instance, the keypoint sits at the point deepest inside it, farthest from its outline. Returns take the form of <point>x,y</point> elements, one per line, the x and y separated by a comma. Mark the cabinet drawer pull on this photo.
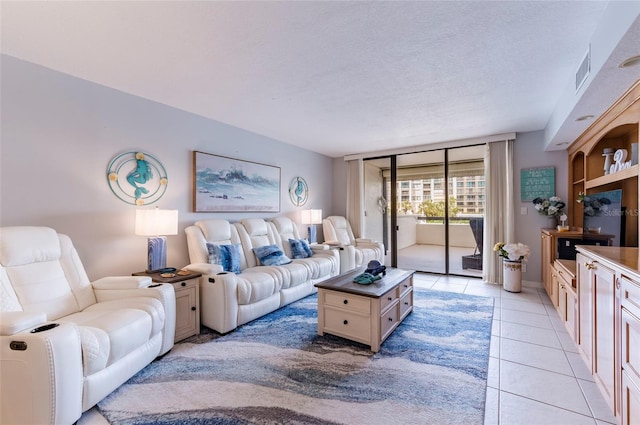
<point>389,298</point>
<point>346,322</point>
<point>406,303</point>
<point>193,308</point>
<point>390,319</point>
<point>617,283</point>
<point>589,266</point>
<point>346,302</point>
<point>184,284</point>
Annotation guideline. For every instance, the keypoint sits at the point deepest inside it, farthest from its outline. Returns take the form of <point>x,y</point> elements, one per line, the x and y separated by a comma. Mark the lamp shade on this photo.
<point>156,222</point>
<point>311,217</point>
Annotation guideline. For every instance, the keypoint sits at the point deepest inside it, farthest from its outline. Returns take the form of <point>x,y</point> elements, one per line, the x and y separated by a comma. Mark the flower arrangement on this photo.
<point>512,251</point>
<point>593,206</point>
<point>552,207</point>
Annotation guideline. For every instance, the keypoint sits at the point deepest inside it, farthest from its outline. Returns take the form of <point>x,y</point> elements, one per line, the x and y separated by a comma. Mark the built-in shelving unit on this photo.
<point>618,128</point>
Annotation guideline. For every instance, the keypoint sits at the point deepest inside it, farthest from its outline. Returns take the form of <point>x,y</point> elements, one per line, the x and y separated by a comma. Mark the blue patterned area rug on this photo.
<point>277,370</point>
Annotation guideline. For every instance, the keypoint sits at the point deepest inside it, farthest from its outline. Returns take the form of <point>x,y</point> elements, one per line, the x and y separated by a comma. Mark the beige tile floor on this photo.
<point>536,376</point>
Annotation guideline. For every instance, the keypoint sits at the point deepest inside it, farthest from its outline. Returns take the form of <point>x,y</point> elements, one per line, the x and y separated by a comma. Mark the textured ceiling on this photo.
<point>333,77</point>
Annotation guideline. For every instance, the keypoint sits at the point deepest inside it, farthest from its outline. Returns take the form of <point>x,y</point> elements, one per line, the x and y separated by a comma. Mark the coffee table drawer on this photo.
<point>389,321</point>
<point>406,303</point>
<point>347,324</point>
<point>388,298</point>
<point>406,285</point>
<point>347,302</point>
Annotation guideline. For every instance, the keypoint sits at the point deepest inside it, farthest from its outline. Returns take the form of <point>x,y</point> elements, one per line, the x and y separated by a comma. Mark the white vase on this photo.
<point>512,275</point>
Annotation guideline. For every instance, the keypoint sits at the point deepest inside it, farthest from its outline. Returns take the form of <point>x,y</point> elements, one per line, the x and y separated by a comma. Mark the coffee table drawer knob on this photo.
<point>346,302</point>
<point>346,322</point>
<point>391,319</point>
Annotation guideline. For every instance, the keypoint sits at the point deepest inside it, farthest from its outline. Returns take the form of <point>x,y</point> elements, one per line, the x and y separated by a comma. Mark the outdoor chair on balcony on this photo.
<point>475,261</point>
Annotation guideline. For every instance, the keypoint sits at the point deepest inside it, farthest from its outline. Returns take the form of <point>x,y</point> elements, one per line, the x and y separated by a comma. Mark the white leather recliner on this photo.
<point>337,232</point>
<point>66,342</point>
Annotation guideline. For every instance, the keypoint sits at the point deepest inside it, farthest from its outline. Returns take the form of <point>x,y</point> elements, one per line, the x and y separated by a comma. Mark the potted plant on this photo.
<point>513,255</point>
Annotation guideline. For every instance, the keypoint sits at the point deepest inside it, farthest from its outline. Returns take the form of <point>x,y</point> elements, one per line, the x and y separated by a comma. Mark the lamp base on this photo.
<point>156,253</point>
<point>312,233</point>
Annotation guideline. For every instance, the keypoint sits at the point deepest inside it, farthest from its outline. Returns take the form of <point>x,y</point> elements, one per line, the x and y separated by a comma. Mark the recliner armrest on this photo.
<point>205,268</point>
<point>12,322</point>
<point>121,282</point>
<point>319,247</point>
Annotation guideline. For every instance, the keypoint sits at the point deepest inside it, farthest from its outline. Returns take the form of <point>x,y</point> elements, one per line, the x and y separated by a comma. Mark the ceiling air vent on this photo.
<point>583,70</point>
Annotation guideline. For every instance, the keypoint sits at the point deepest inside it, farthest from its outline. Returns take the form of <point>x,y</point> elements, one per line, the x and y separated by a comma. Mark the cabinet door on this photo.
<point>604,340</point>
<point>185,313</point>
<point>546,264</point>
<point>630,400</point>
<point>585,308</point>
<point>572,313</point>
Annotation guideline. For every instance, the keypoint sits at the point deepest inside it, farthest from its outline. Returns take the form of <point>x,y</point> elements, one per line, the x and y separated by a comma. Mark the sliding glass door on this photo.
<point>428,208</point>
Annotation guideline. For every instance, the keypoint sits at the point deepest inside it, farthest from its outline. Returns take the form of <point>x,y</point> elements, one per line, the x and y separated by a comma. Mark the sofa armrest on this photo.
<point>163,292</point>
<point>219,301</point>
<point>318,247</point>
<point>205,268</point>
<point>121,282</point>
<point>12,322</point>
<point>42,373</point>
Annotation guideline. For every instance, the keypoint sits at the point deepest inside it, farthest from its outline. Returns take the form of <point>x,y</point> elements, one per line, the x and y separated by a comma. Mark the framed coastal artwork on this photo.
<point>222,184</point>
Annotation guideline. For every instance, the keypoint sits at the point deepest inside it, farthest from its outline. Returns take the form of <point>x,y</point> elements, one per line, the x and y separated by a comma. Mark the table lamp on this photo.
<point>311,218</point>
<point>156,224</point>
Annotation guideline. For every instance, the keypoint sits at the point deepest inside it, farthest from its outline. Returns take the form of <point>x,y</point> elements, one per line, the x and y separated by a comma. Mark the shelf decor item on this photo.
<point>593,205</point>
<point>513,255</point>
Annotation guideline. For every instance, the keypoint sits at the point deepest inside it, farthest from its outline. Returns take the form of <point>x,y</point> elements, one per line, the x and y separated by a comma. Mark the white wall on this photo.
<point>528,152</point>
<point>59,133</point>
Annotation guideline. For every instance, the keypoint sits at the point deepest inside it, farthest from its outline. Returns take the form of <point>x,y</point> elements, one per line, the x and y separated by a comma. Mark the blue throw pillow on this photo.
<point>228,256</point>
<point>300,248</point>
<point>271,255</point>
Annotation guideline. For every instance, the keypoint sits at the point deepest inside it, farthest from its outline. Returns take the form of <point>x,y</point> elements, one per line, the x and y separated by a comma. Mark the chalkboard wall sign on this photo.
<point>537,183</point>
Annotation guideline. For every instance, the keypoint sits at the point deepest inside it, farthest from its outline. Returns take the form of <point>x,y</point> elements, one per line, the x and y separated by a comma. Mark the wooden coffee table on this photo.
<point>364,313</point>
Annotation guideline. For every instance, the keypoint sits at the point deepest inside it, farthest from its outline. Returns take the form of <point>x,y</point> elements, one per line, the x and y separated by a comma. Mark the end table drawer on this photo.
<point>348,302</point>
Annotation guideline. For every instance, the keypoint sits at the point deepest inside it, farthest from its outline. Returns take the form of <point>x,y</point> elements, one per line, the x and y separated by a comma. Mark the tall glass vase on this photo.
<point>512,275</point>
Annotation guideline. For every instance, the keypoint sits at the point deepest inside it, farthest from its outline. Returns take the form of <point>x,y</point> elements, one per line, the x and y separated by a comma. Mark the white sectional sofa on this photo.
<point>227,299</point>
<point>66,342</point>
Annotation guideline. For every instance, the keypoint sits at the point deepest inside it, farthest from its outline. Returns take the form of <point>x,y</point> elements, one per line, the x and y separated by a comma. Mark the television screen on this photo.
<point>604,213</point>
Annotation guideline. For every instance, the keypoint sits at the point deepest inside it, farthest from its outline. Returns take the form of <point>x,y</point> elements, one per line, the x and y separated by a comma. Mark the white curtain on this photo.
<point>499,214</point>
<point>355,196</point>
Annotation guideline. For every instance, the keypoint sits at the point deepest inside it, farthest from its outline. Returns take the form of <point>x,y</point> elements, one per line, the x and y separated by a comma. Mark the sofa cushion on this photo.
<point>228,256</point>
<point>109,335</point>
<point>256,284</point>
<point>271,255</point>
<point>300,248</point>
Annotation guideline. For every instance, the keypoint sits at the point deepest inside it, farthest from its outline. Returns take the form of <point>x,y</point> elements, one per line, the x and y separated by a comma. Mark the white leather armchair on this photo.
<point>66,342</point>
<point>357,251</point>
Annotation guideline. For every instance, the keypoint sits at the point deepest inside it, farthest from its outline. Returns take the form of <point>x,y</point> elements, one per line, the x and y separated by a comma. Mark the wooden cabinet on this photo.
<point>585,308</point>
<point>629,293</point>
<point>604,341</point>
<point>564,276</point>
<point>187,293</point>
<point>608,283</point>
<point>617,128</point>
<point>550,239</point>
<point>187,303</point>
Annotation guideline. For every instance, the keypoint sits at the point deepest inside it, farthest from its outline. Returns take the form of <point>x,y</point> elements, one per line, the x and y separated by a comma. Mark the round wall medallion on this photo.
<point>137,178</point>
<point>298,191</point>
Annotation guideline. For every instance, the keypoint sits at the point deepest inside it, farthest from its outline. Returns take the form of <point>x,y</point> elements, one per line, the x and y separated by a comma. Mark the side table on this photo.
<point>187,301</point>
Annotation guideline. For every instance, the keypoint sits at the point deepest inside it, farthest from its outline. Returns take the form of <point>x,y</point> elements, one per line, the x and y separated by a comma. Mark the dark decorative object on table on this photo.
<point>375,268</point>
